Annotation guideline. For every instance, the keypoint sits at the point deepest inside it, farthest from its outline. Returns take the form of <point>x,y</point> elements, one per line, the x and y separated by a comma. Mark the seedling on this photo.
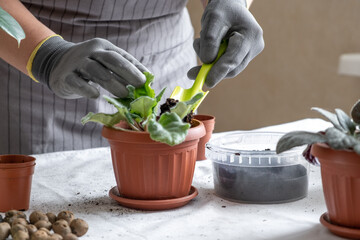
<point>140,110</point>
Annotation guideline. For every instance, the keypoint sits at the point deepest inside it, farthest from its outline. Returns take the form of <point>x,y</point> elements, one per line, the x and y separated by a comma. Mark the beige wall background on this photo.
<point>297,69</point>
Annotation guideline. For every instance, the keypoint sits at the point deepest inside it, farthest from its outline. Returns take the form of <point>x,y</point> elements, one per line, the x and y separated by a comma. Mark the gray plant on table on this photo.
<point>344,135</point>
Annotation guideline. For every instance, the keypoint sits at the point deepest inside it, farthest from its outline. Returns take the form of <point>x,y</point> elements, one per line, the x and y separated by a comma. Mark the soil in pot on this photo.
<point>169,103</point>
<point>261,184</point>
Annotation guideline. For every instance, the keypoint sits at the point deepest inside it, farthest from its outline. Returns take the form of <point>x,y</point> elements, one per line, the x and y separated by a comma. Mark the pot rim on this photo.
<point>322,151</point>
<point>16,161</point>
<point>204,117</point>
<point>196,131</point>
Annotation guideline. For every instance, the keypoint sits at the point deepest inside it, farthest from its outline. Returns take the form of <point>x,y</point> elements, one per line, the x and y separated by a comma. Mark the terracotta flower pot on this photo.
<point>16,173</point>
<point>340,173</point>
<point>209,124</point>
<point>150,170</point>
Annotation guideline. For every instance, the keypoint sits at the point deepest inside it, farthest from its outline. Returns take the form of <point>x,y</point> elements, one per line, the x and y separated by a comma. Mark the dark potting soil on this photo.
<point>260,184</point>
<point>169,103</point>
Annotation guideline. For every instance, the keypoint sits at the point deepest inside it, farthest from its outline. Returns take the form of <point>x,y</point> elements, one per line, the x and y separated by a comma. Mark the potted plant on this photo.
<point>337,150</point>
<point>153,154</point>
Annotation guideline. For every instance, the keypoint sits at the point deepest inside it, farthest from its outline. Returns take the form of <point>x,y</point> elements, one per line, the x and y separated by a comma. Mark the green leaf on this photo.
<point>115,102</point>
<point>184,108</point>
<point>169,129</point>
<point>345,121</point>
<point>146,89</point>
<point>131,93</point>
<point>159,96</point>
<point>337,139</point>
<point>355,112</point>
<point>11,26</point>
<point>125,102</point>
<point>143,106</point>
<point>108,120</point>
<point>298,138</point>
<point>330,116</point>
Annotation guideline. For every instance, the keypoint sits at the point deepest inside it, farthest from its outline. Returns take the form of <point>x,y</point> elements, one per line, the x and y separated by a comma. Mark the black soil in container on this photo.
<point>260,184</point>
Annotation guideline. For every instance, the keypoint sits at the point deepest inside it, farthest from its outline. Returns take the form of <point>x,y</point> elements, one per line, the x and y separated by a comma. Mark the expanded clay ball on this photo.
<point>66,215</point>
<point>21,221</point>
<point>70,236</point>
<point>18,228</point>
<point>16,213</point>
<point>43,224</point>
<point>61,227</point>
<point>40,235</point>
<point>4,230</point>
<point>55,236</point>
<point>21,235</point>
<point>79,227</point>
<point>36,216</point>
<point>52,217</point>
<point>11,215</point>
<point>31,229</point>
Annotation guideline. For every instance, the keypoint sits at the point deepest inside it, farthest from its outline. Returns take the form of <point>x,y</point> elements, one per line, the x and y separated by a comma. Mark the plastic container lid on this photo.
<point>251,149</point>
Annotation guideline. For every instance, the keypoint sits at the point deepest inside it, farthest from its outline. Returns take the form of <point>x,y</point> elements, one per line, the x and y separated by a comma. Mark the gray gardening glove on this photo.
<point>68,69</point>
<point>229,19</point>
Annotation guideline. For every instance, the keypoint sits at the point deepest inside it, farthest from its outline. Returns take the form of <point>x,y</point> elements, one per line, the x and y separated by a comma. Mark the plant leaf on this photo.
<point>119,106</point>
<point>345,121</point>
<point>184,108</point>
<point>146,89</point>
<point>338,139</point>
<point>159,96</point>
<point>131,93</point>
<point>169,129</point>
<point>330,116</point>
<point>11,26</point>
<point>355,112</point>
<point>143,106</point>
<point>108,120</point>
<point>298,138</point>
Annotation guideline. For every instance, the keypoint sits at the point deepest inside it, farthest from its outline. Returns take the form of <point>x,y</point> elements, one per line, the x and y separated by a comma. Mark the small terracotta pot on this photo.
<point>340,173</point>
<point>209,124</point>
<point>149,170</point>
<point>16,173</point>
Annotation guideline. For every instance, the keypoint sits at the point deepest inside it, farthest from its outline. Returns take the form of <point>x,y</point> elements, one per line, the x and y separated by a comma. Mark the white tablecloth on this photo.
<point>79,181</point>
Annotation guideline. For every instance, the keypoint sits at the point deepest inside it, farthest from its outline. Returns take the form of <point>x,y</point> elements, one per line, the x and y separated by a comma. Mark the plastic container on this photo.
<point>247,169</point>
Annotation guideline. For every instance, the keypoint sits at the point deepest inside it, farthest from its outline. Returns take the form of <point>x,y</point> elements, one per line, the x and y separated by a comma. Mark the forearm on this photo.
<point>34,30</point>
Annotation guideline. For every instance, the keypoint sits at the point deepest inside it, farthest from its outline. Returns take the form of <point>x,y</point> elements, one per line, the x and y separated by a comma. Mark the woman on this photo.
<point>76,50</point>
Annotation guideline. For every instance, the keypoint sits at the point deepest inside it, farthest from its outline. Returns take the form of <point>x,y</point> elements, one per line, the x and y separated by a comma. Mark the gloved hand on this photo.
<point>68,68</point>
<point>228,19</point>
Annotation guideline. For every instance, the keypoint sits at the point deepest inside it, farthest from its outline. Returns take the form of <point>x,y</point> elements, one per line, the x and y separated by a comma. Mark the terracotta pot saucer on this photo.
<point>342,231</point>
<point>153,204</point>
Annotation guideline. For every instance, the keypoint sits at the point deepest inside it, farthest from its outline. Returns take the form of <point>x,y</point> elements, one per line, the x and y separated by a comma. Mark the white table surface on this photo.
<point>79,181</point>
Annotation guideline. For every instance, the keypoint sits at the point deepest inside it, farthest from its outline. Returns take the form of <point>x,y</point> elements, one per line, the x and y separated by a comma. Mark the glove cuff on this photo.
<point>45,56</point>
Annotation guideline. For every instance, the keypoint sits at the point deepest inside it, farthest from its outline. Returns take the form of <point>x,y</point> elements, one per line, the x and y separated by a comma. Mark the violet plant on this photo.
<point>139,109</point>
<point>344,135</point>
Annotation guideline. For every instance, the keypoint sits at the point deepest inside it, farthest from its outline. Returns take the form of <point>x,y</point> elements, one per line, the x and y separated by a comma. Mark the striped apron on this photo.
<point>156,32</point>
